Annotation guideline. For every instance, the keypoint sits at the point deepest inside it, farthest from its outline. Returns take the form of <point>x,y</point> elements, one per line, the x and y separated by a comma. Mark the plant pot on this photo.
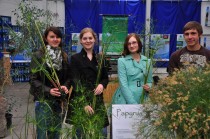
<point>8,117</point>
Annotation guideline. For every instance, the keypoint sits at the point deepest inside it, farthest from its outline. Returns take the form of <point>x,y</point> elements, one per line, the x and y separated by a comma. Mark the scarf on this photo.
<point>55,56</point>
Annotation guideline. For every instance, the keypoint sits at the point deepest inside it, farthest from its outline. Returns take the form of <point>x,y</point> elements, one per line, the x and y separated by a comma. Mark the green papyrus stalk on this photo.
<point>143,96</point>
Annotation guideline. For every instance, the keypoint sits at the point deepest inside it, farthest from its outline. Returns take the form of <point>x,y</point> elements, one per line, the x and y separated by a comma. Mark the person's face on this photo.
<point>87,41</point>
<point>133,45</point>
<point>191,37</point>
<point>53,40</point>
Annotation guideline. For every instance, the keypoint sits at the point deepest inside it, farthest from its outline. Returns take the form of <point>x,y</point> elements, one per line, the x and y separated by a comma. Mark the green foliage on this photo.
<point>90,126</point>
<point>32,22</point>
<point>28,38</point>
<point>181,105</point>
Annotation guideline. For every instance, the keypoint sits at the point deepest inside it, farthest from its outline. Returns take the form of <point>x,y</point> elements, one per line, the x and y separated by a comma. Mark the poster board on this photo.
<point>76,46</point>
<point>180,41</point>
<point>125,120</point>
<point>207,17</point>
<point>205,41</point>
<point>160,44</point>
<point>114,31</point>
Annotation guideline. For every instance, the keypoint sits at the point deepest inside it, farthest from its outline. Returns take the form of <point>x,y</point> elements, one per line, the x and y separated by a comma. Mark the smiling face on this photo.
<point>52,39</point>
<point>192,37</point>
<point>133,45</point>
<point>192,32</point>
<point>87,41</point>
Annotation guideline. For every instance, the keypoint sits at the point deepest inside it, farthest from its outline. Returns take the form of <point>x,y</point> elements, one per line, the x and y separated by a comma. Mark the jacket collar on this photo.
<point>84,53</point>
<point>129,57</point>
<point>85,60</point>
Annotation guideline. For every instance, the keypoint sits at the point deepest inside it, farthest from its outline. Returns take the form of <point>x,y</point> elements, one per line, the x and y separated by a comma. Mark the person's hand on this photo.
<point>99,89</point>
<point>146,87</point>
<point>65,89</point>
<point>55,92</point>
<point>89,110</point>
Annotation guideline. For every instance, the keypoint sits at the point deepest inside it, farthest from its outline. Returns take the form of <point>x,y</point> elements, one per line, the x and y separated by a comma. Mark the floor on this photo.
<point>22,110</point>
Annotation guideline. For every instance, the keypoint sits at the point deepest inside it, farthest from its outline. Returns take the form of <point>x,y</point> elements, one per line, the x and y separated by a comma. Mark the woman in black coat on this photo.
<point>84,72</point>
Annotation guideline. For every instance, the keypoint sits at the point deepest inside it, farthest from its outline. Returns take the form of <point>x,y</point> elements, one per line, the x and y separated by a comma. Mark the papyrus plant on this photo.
<point>101,60</point>
<point>150,63</point>
<point>182,106</point>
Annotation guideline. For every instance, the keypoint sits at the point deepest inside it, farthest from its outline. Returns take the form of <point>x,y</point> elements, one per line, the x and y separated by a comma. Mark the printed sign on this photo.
<point>125,120</point>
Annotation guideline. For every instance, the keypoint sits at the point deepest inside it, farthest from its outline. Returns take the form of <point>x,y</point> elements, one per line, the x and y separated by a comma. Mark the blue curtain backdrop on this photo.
<point>89,13</point>
<point>168,17</point>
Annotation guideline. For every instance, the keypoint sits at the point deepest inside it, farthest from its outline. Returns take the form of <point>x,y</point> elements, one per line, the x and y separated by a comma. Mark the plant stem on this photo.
<point>142,98</point>
<point>98,78</point>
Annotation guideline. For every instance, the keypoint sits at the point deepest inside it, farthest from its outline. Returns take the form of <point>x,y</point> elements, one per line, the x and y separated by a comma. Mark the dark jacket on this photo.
<point>84,74</point>
<point>40,85</point>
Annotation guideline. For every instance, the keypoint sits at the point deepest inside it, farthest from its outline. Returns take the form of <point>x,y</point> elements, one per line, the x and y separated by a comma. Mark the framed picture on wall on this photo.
<point>160,43</point>
<point>205,41</point>
<point>76,46</point>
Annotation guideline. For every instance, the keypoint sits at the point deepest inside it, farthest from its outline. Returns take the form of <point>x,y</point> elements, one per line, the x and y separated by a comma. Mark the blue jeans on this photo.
<point>48,120</point>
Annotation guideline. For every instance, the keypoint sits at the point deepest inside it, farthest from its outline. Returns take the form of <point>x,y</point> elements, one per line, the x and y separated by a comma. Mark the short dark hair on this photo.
<point>126,51</point>
<point>193,25</point>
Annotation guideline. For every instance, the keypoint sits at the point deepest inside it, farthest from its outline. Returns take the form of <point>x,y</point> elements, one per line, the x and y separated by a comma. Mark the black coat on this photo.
<point>84,73</point>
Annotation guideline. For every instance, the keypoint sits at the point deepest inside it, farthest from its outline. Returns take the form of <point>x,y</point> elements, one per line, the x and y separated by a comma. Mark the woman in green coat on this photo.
<point>132,70</point>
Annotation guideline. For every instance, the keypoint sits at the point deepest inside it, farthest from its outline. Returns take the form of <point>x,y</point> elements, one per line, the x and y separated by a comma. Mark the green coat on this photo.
<point>131,76</point>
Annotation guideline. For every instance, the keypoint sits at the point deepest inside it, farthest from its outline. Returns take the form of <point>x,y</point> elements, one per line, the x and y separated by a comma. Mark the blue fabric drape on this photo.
<point>135,10</point>
<point>88,13</point>
<point>80,14</point>
<point>168,17</point>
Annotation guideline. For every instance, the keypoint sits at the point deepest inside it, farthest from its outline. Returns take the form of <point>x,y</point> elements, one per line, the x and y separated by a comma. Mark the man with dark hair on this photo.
<point>193,54</point>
